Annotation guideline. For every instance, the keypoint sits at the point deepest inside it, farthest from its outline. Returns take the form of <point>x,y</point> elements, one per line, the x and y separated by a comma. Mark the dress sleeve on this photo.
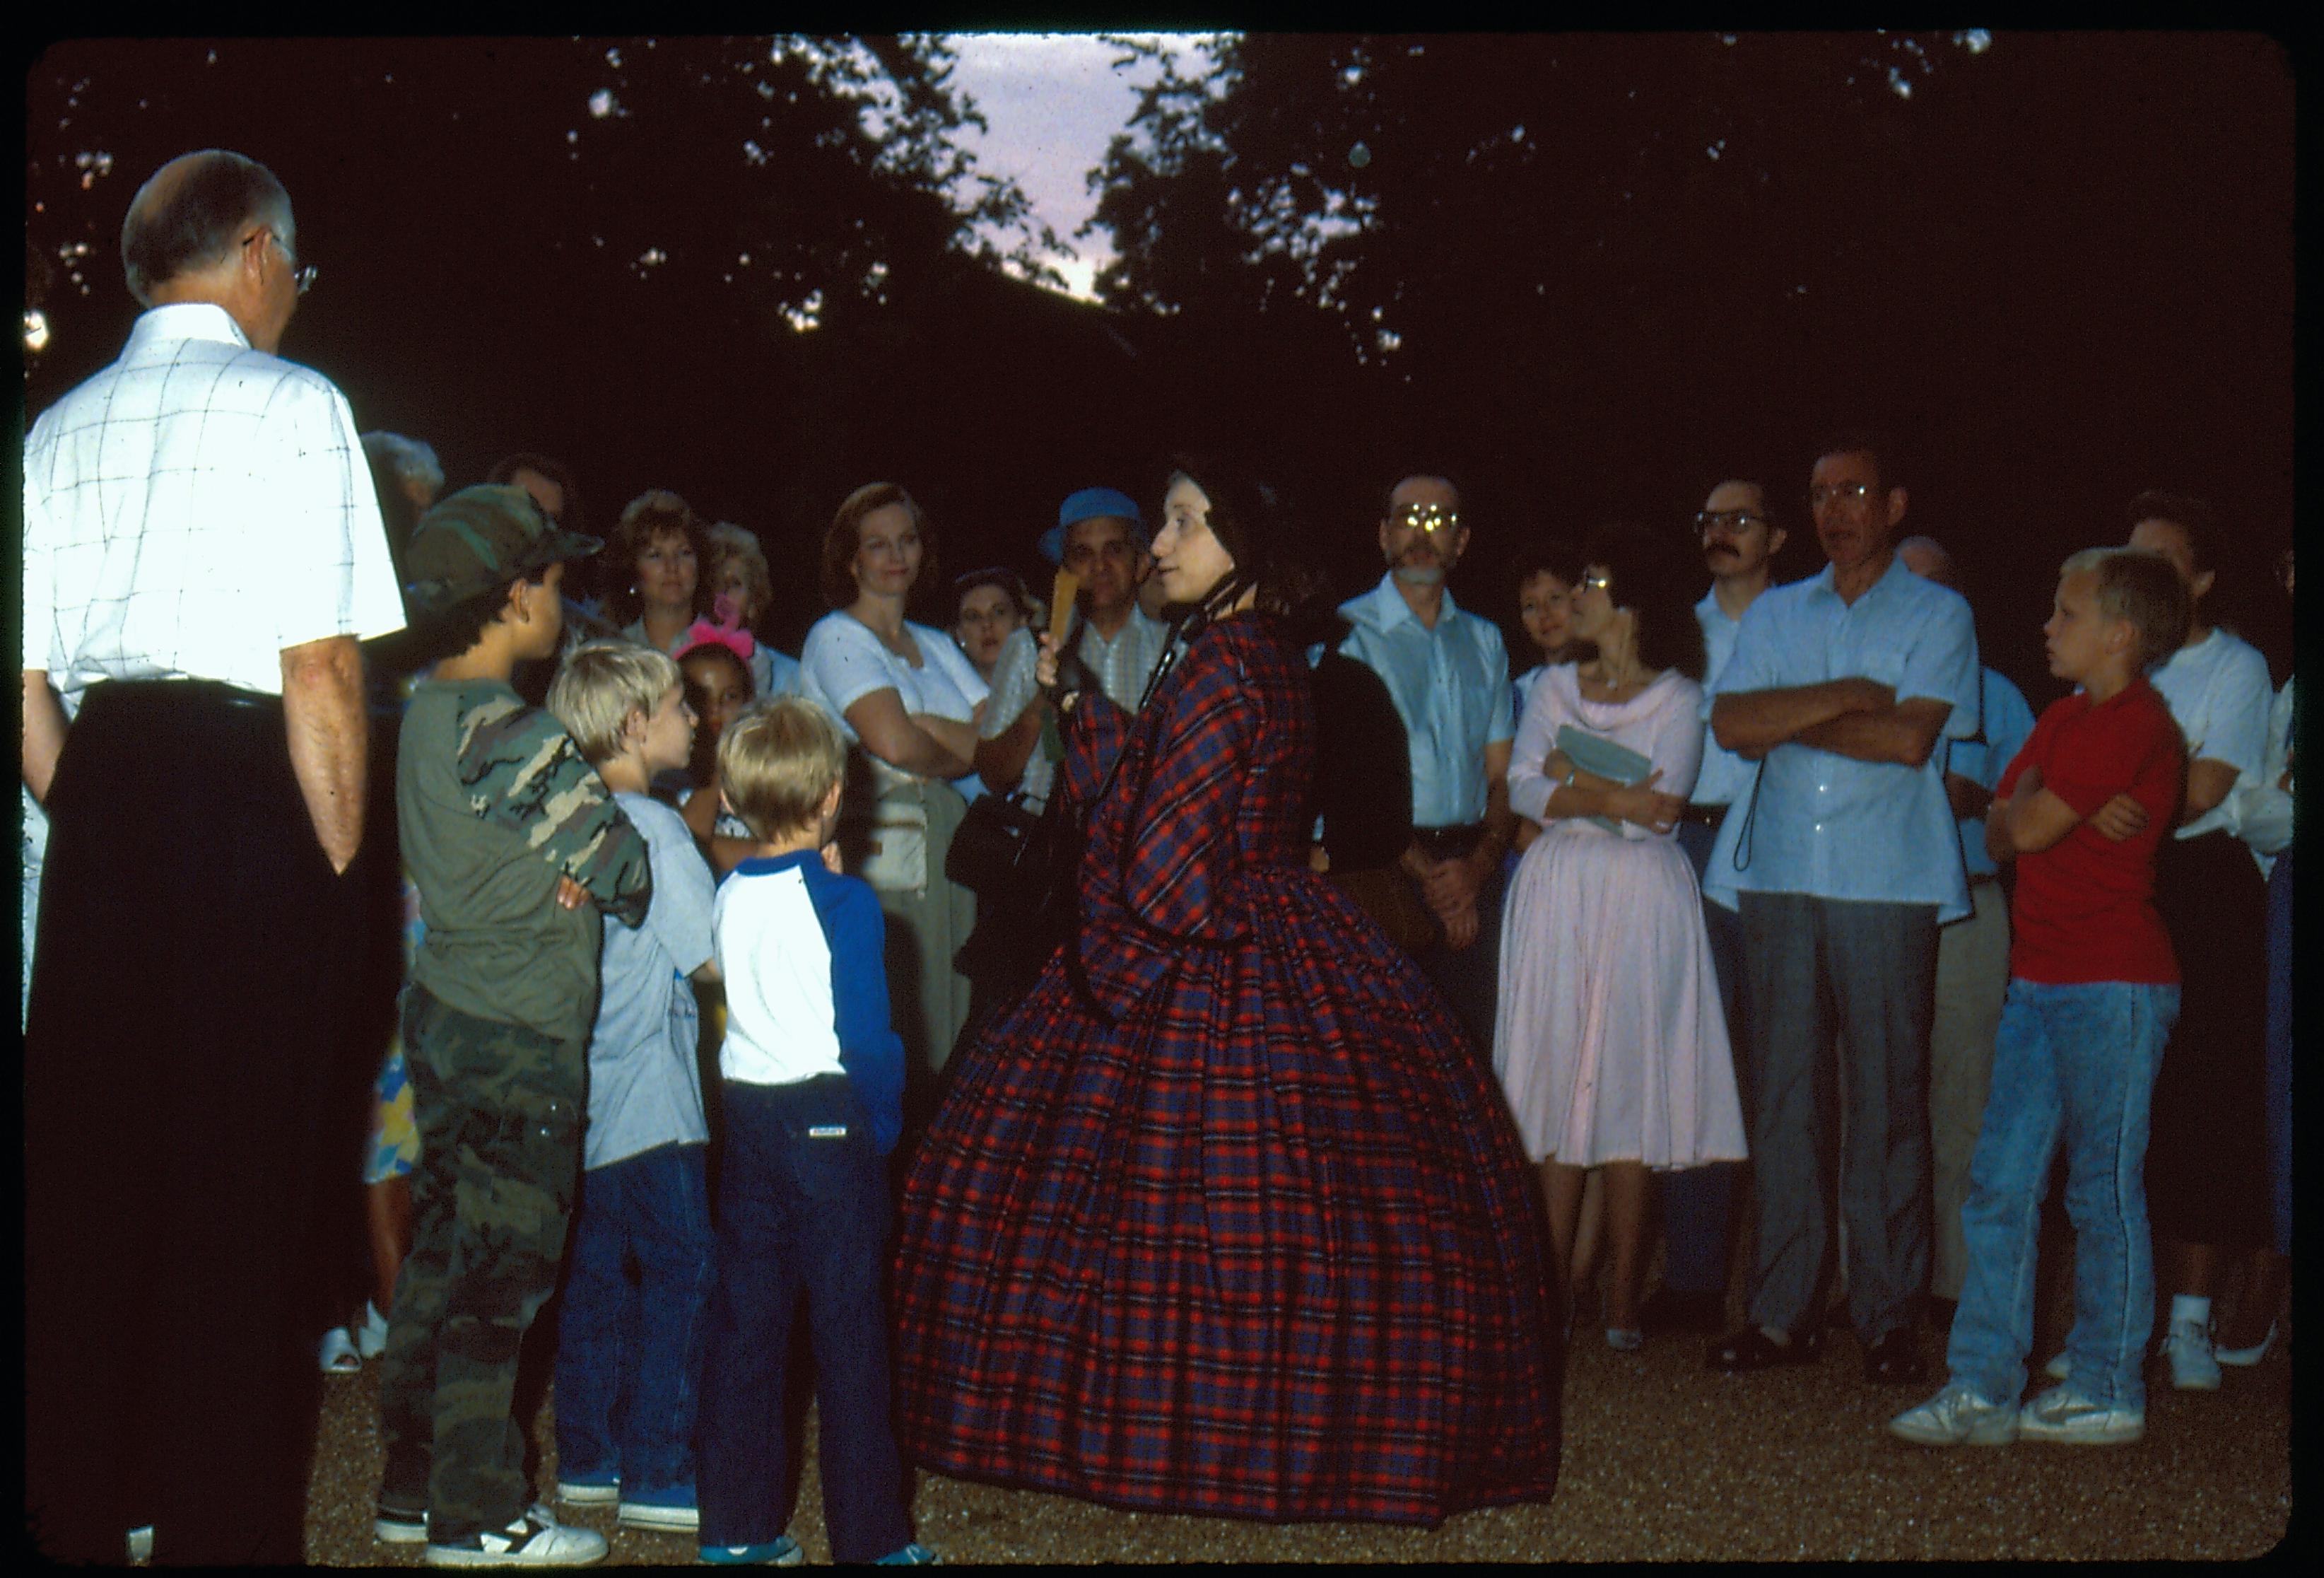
<point>1179,861</point>
<point>1529,787</point>
<point>1675,744</point>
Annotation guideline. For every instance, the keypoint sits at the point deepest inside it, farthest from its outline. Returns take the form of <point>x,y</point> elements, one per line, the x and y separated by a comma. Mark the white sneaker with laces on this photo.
<point>1957,1417</point>
<point>2064,1414</point>
<point>529,1542</point>
<point>2194,1367</point>
<point>337,1352</point>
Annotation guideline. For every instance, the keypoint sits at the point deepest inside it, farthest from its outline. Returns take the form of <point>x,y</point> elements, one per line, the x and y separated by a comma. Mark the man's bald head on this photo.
<point>191,213</point>
<point>1926,557</point>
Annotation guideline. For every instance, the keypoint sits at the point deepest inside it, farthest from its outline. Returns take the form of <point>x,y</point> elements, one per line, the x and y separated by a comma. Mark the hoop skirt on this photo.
<point>1224,1217</point>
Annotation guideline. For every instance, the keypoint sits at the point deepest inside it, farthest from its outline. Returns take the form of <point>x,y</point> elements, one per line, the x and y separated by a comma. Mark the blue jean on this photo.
<point>803,1211</point>
<point>2079,1062</point>
<point>629,1356</point>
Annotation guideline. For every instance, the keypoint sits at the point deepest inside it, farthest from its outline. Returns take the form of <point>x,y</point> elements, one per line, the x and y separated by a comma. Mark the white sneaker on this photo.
<point>2064,1414</point>
<point>529,1542</point>
<point>2244,1358</point>
<point>1957,1417</point>
<point>2194,1367</point>
<point>337,1354</point>
<point>371,1337</point>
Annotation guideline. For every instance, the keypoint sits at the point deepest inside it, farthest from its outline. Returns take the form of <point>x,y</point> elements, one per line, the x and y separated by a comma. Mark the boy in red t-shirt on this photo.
<point>2093,991</point>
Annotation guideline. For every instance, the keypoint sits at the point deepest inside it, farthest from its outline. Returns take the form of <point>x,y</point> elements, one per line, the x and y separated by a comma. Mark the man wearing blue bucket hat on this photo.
<point>1101,537</point>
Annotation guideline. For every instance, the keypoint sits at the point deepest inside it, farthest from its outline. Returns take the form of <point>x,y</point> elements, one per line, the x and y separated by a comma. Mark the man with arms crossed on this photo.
<point>1842,867</point>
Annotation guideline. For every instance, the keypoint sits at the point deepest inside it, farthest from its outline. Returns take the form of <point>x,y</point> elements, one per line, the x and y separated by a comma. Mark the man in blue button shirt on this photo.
<point>1449,676</point>
<point>1843,864</point>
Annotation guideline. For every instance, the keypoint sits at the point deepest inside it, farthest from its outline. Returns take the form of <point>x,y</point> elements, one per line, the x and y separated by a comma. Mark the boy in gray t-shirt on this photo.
<point>629,1358</point>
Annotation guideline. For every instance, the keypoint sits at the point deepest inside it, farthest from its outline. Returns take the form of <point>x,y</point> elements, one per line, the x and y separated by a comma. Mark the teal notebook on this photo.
<point>1608,758</point>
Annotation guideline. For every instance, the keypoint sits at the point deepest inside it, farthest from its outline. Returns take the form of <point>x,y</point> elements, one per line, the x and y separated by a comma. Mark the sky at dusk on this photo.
<point>1053,100</point>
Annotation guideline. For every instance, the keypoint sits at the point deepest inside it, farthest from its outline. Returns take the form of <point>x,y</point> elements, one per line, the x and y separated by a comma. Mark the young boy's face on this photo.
<point>544,605</point>
<point>669,732</point>
<point>2075,635</point>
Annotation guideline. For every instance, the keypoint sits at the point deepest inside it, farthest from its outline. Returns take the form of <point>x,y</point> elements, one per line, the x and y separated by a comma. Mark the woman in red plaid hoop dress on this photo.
<point>1224,1217</point>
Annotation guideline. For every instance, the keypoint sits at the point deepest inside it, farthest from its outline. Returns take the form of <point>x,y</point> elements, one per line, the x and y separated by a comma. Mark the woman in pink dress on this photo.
<point>1610,1042</point>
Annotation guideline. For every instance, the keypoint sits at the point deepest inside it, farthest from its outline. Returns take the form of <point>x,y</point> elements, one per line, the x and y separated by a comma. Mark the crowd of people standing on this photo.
<point>1260,1160</point>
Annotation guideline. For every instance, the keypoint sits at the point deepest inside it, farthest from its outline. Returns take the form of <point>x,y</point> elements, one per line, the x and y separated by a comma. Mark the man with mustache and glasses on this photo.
<point>1842,864</point>
<point>1448,674</point>
<point>1740,540</point>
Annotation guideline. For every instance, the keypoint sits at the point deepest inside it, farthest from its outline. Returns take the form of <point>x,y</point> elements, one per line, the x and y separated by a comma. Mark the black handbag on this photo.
<point>1004,853</point>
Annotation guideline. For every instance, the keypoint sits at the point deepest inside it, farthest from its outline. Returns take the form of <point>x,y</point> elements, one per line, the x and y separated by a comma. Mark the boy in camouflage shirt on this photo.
<point>510,837</point>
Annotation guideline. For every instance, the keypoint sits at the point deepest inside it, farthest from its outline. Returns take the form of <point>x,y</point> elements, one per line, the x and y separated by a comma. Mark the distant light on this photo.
<point>651,256</point>
<point>1727,38</point>
<point>807,314</point>
<point>36,330</point>
<point>1896,82</point>
<point>1975,40</point>
<point>601,103</point>
<point>1517,134</point>
<point>1359,156</point>
<point>614,59</point>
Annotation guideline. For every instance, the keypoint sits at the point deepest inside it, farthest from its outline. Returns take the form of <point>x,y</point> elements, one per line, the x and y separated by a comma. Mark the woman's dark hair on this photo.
<point>1247,519</point>
<point>1652,579</point>
<point>1008,580</point>
<point>845,538</point>
<point>656,513</point>
<point>1545,556</point>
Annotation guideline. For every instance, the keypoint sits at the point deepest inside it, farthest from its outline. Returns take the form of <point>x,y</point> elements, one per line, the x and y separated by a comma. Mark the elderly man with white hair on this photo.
<point>202,553</point>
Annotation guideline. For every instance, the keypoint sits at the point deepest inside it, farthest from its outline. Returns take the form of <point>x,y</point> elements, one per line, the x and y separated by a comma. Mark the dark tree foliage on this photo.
<point>1600,271</point>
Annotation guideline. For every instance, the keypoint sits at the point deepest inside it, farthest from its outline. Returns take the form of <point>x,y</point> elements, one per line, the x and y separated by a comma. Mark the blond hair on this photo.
<point>2143,588</point>
<point>600,683</point>
<point>778,761</point>
<point>732,544</point>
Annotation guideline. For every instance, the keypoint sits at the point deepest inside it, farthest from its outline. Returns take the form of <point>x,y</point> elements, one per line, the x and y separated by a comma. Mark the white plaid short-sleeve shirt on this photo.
<point>195,509</point>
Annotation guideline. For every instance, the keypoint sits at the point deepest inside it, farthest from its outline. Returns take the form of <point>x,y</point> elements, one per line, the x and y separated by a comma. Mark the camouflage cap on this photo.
<point>475,539</point>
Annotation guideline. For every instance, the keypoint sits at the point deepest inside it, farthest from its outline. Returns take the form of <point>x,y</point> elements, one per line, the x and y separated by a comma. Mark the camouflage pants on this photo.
<point>500,1111</point>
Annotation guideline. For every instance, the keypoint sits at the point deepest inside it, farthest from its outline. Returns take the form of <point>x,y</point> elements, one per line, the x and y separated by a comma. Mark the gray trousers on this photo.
<point>1866,971</point>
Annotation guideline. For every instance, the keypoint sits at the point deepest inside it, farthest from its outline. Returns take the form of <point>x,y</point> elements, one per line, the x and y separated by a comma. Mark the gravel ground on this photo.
<point>1664,1460</point>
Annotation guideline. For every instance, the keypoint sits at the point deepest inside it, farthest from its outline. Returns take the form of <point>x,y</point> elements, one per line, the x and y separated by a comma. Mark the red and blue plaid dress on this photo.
<point>1223,1218</point>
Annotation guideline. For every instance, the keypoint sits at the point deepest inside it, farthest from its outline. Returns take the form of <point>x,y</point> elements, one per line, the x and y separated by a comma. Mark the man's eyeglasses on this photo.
<point>1428,518</point>
<point>302,275</point>
<point>1708,521</point>
<point>1846,493</point>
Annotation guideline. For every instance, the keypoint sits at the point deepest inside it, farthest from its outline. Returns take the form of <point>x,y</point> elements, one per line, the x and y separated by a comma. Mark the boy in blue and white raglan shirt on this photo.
<point>813,1098</point>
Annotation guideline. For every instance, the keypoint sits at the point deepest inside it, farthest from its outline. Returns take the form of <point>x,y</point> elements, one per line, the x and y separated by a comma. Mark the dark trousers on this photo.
<point>1470,976</point>
<point>803,1213</point>
<point>500,1108</point>
<point>183,1128</point>
<point>1698,1202</point>
<point>1841,995</point>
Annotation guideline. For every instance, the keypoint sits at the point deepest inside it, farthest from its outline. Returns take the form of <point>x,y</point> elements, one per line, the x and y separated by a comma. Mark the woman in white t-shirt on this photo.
<point>2206,1174</point>
<point>909,702</point>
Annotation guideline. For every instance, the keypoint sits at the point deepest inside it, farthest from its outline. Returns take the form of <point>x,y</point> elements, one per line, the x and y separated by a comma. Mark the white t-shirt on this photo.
<point>844,661</point>
<point>2218,695</point>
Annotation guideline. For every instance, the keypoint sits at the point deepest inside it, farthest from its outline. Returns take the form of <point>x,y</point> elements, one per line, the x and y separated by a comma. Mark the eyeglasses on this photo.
<point>1428,518</point>
<point>1599,582</point>
<point>1706,521</point>
<point>1846,493</point>
<point>303,276</point>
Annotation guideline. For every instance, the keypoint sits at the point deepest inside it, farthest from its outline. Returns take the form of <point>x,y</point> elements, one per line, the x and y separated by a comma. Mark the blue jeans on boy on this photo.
<point>2074,1061</point>
<point>629,1358</point>
<point>803,1211</point>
